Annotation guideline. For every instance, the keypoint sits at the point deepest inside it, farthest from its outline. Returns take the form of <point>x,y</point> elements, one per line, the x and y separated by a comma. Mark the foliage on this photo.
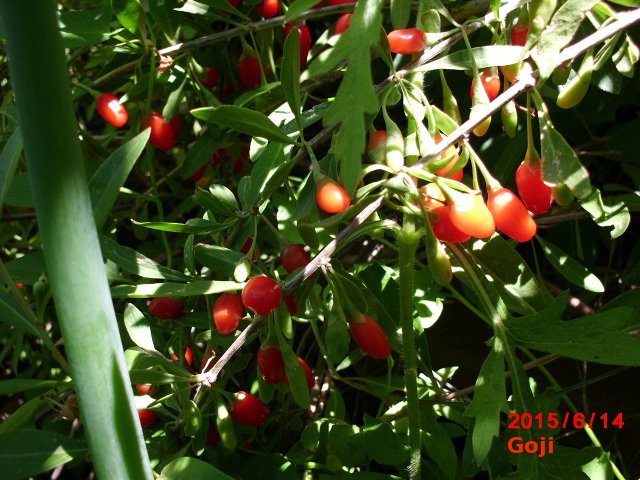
<point>228,176</point>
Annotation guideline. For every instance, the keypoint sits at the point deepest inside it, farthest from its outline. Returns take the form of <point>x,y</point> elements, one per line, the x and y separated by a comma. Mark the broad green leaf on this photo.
<point>195,225</point>
<point>218,259</point>
<point>8,162</point>
<point>212,9</point>
<point>437,444</point>
<point>244,120</point>
<point>614,215</point>
<point>9,313</point>
<point>484,57</point>
<point>337,338</point>
<point>188,468</point>
<point>560,163</point>
<point>382,444</point>
<point>138,327</point>
<point>25,453</point>
<point>219,199</point>
<point>290,71</point>
<point>266,168</point>
<point>600,338</point>
<point>136,263</point>
<point>84,28</point>
<point>489,399</point>
<point>569,268</point>
<point>400,13</point>
<point>19,192</point>
<point>295,373</point>
<point>105,183</point>
<point>268,466</point>
<point>297,7</point>
<point>558,34</point>
<point>512,277</point>
<point>17,385</point>
<point>156,377</point>
<point>128,13</point>
<point>174,289</point>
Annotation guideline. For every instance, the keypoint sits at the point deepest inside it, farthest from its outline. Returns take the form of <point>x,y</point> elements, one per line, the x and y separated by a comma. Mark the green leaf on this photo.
<point>84,28</point>
<point>295,372</point>
<point>24,416</point>
<point>25,453</point>
<point>558,34</point>
<point>560,163</point>
<point>269,166</point>
<point>290,71</point>
<point>200,153</point>
<point>218,259</point>
<point>297,7</point>
<point>8,161</point>
<point>156,377</point>
<point>400,13</point>
<point>128,13</point>
<point>225,424</point>
<point>173,101</point>
<point>600,338</point>
<point>382,444</point>
<point>437,444</point>
<point>484,57</point>
<point>212,9</point>
<point>188,468</point>
<point>10,314</point>
<point>136,263</point>
<point>17,385</point>
<point>489,399</point>
<point>614,215</point>
<point>138,327</point>
<point>107,180</point>
<point>174,289</point>
<point>569,268</point>
<point>337,338</point>
<point>195,225</point>
<point>244,120</point>
<point>219,199</point>
<point>512,277</point>
<point>356,97</point>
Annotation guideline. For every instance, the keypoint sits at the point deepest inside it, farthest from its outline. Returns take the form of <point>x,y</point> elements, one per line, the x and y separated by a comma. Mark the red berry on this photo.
<point>271,365</point>
<point>163,134</point>
<point>369,336</point>
<point>228,310</point>
<point>407,41</point>
<point>510,215</point>
<point>110,108</point>
<point>269,8</point>
<point>147,417</point>
<point>165,308</point>
<point>188,356</point>
<point>199,174</point>
<point>445,231</point>
<point>308,373</point>
<point>470,215</point>
<point>146,389</point>
<point>249,410</point>
<point>535,194</point>
<point>343,23</point>
<point>490,82</point>
<point>294,257</point>
<point>433,199</point>
<point>305,40</point>
<point>519,34</point>
<point>331,197</point>
<point>290,302</point>
<point>261,295</point>
<point>376,148</point>
<point>451,151</point>
<point>211,80</point>
<point>218,156</point>
<point>249,71</point>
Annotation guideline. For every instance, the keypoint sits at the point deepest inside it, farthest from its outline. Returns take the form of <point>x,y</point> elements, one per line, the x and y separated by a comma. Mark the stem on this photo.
<point>70,240</point>
<point>407,242</point>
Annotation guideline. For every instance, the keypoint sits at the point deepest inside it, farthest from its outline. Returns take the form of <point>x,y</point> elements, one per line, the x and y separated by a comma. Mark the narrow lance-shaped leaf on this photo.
<point>138,327</point>
<point>106,182</point>
<point>290,74</point>
<point>243,120</point>
<point>570,268</point>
